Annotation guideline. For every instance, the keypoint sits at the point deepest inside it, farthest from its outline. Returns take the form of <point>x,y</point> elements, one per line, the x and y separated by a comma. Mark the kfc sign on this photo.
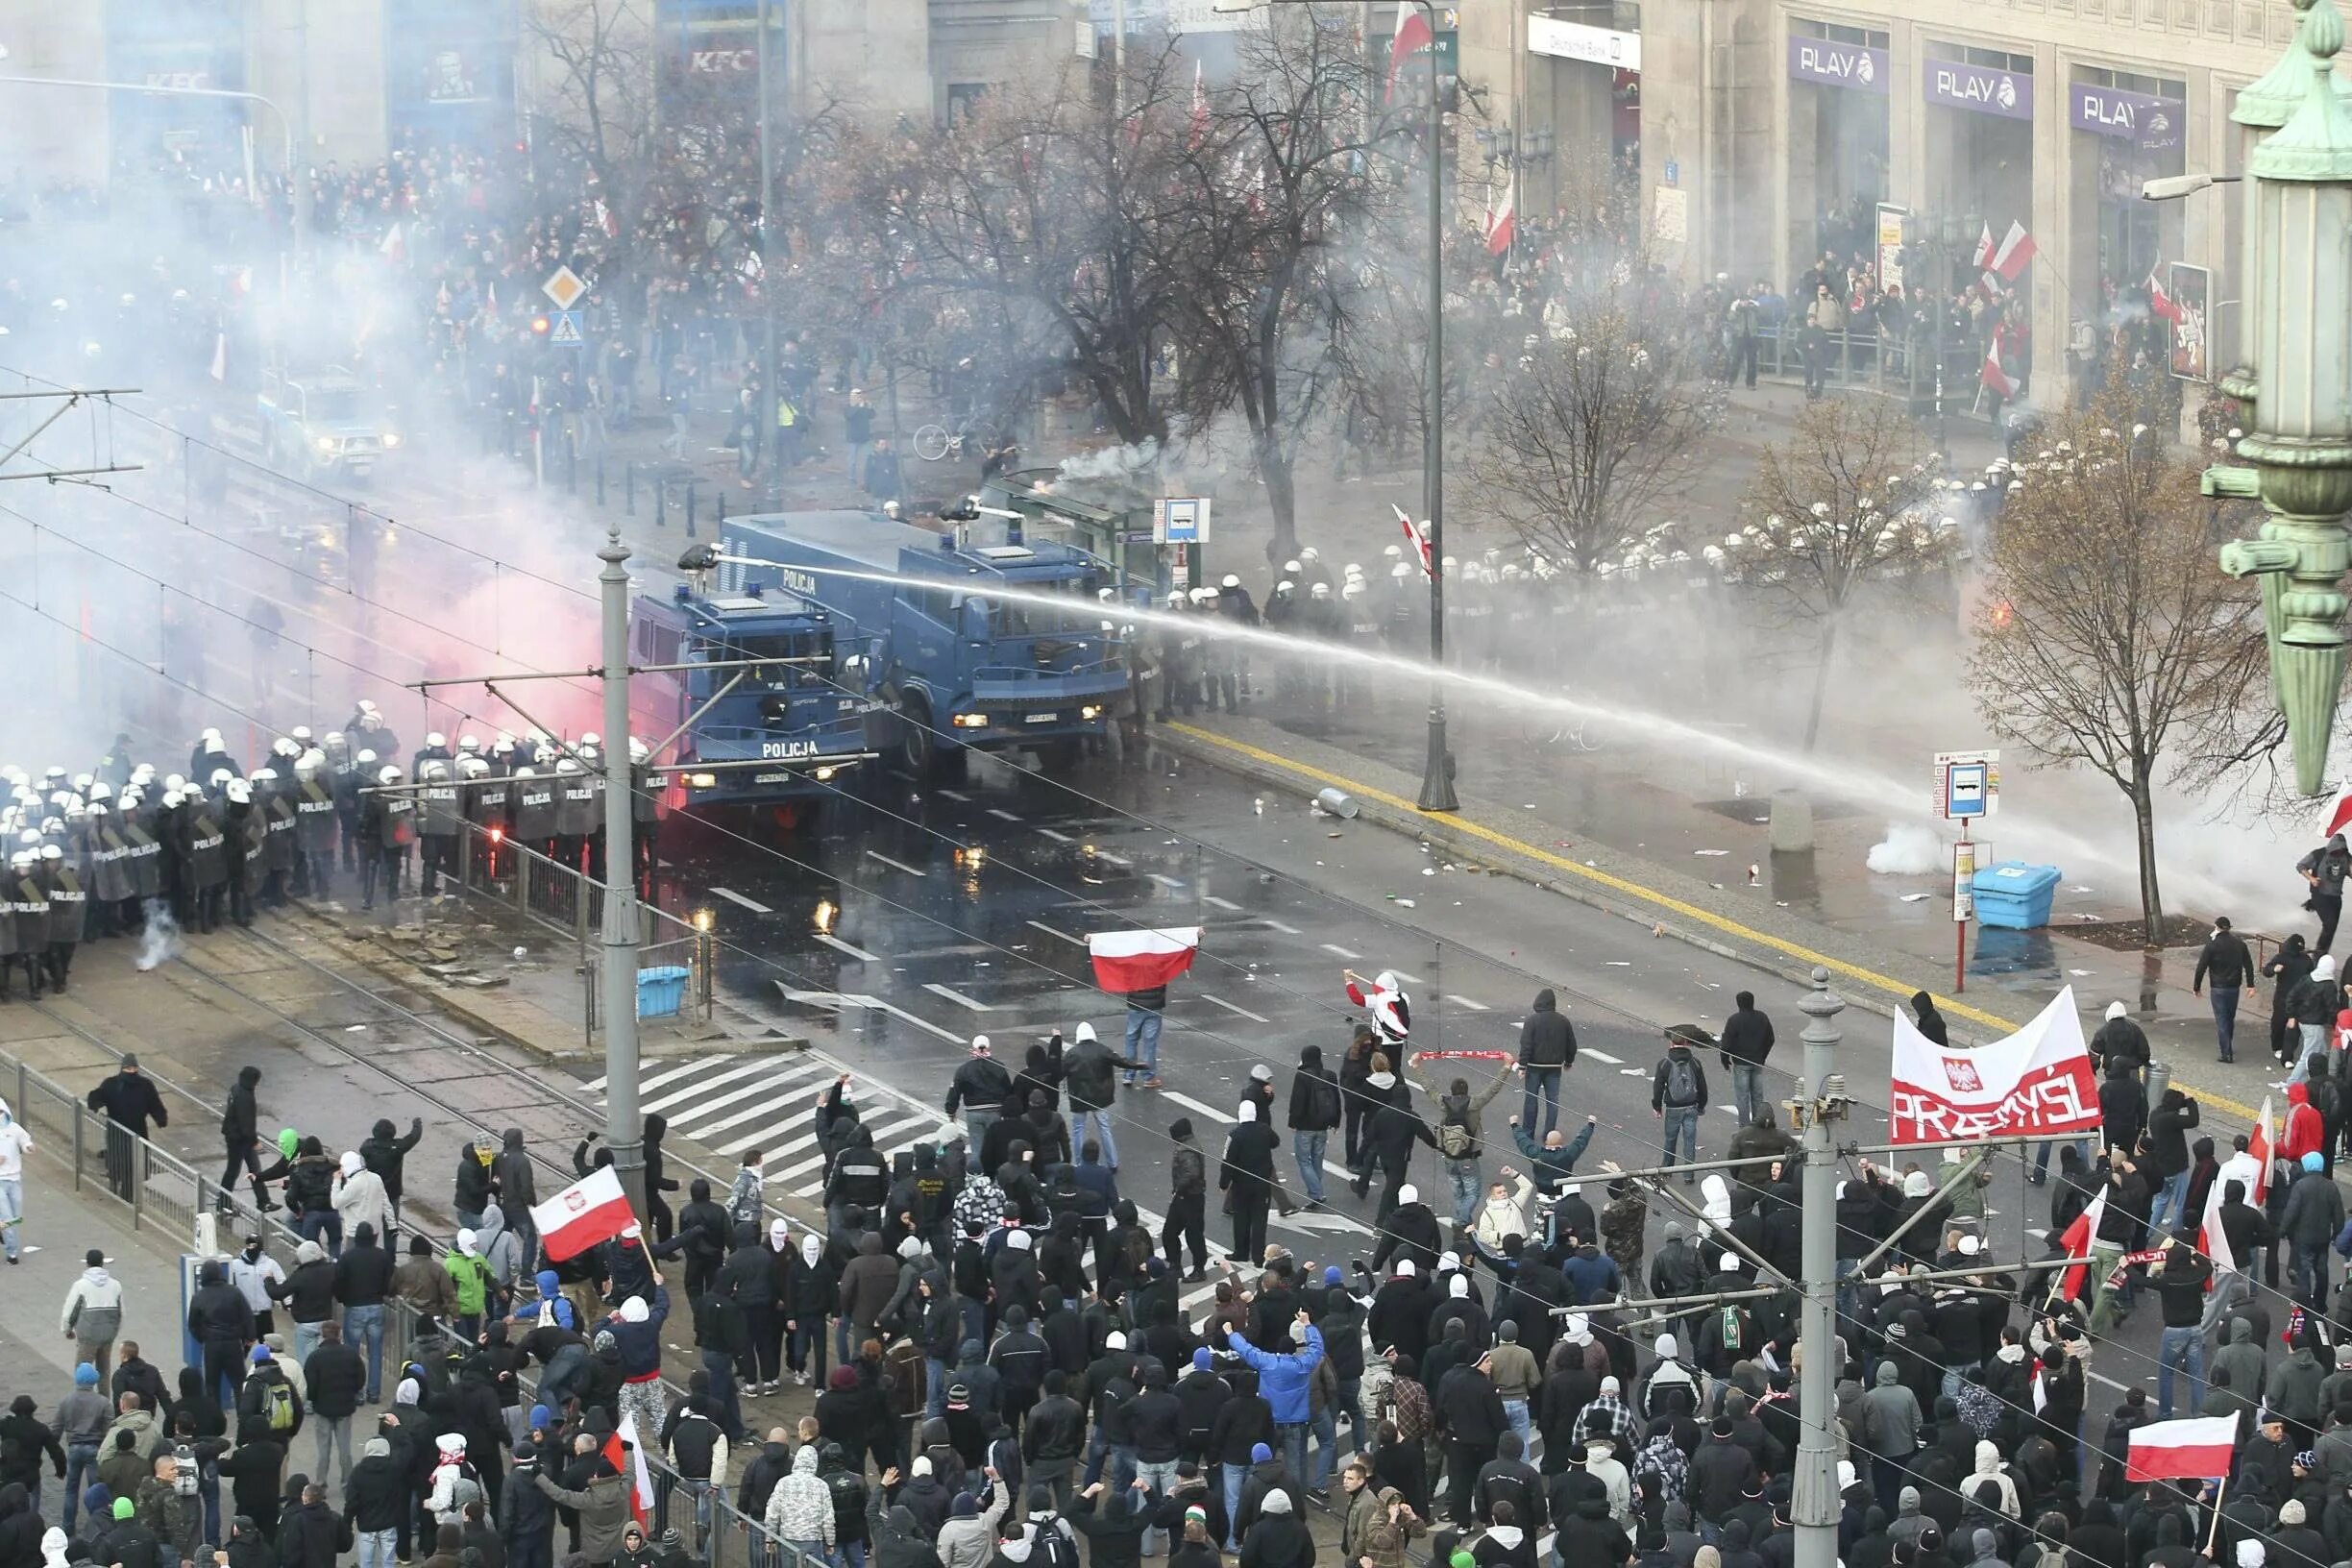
<point>721,61</point>
<point>2036,1080</point>
<point>181,81</point>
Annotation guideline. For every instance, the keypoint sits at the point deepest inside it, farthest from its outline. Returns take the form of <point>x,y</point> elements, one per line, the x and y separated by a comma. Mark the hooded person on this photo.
<point>1927,1020</point>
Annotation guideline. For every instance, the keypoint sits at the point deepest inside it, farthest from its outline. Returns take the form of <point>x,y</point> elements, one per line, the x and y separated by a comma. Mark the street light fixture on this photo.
<point>285,126</point>
<point>1437,763</point>
<point>2172,187</point>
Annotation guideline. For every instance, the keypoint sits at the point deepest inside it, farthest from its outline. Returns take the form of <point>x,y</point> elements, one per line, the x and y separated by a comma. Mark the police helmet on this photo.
<point>50,851</point>
<point>239,791</point>
<point>435,739</point>
<point>387,775</point>
<point>1400,571</point>
<point>1320,590</point>
<point>1231,581</point>
<point>1284,588</point>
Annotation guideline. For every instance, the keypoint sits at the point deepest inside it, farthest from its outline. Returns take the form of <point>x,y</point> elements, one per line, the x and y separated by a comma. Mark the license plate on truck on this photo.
<point>1042,719</point>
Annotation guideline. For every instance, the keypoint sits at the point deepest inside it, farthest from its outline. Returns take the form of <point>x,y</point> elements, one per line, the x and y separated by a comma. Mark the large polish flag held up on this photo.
<point>590,1209</point>
<point>2199,1448</point>
<point>1126,960</point>
<point>2076,1277</point>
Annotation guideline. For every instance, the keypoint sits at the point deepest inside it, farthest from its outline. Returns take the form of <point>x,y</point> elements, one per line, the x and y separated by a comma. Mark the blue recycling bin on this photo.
<point>2014,895</point>
<point>661,991</point>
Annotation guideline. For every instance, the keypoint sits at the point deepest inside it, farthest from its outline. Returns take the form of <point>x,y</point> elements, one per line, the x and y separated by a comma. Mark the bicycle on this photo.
<point>933,442</point>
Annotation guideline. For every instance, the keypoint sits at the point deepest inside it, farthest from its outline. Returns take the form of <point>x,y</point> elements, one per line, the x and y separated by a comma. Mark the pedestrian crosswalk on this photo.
<point>736,1101</point>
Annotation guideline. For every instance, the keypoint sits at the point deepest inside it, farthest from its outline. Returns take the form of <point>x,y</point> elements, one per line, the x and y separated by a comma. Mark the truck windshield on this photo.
<point>809,651</point>
<point>342,405</point>
<point>1082,617</point>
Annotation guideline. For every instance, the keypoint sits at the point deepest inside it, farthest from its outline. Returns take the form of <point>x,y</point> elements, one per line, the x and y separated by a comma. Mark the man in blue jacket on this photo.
<point>1282,1380</point>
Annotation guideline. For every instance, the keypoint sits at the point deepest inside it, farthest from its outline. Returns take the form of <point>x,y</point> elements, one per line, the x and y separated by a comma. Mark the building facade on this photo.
<point>1767,131</point>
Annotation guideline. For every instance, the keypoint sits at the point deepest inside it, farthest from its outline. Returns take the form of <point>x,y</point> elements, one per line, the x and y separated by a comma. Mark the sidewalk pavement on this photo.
<point>61,1224</point>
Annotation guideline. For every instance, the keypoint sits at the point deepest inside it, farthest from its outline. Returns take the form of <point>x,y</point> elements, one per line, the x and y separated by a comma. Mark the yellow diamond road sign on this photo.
<point>564,288</point>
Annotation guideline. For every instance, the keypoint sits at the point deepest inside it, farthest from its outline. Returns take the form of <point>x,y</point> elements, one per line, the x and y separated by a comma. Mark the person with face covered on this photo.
<point>1246,1177</point>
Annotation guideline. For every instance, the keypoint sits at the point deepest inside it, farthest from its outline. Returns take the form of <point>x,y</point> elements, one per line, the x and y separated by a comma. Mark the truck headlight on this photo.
<point>703,781</point>
<point>325,444</point>
<point>391,439</point>
<point>1091,711</point>
<point>970,720</point>
<point>824,775</point>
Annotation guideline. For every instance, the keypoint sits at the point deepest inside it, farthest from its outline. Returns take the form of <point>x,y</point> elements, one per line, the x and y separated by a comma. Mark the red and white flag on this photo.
<point>2259,1147</point>
<point>220,357</point>
<point>2197,1449</point>
<point>2213,1241</point>
<point>590,1209</point>
<point>2164,308</point>
<point>1993,377</point>
<point>2035,1081</point>
<point>1984,247</point>
<point>1412,37</point>
<point>1501,228</point>
<point>1418,539</point>
<point>394,244</point>
<point>2337,816</point>
<point>631,1462</point>
<point>1127,960</point>
<point>2077,1239</point>
<point>2016,249</point>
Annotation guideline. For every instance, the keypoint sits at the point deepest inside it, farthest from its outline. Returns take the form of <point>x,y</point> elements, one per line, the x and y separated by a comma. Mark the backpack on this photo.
<point>1453,1137</point>
<point>277,1405</point>
<point>1323,1099</point>
<point>1681,1079</point>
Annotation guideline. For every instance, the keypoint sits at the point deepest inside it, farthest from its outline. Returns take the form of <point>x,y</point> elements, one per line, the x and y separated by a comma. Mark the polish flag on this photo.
<point>1200,109</point>
<point>2197,1449</point>
<point>220,357</point>
<point>1984,247</point>
<point>590,1209</point>
<point>1420,540</point>
<point>2078,1240</point>
<point>2213,1241</point>
<point>1501,229</point>
<point>2166,309</point>
<point>1412,37</point>
<point>2338,815</point>
<point>394,244</point>
<point>2258,1147</point>
<point>1127,960</point>
<point>631,1462</point>
<point>2016,249</point>
<point>1992,377</point>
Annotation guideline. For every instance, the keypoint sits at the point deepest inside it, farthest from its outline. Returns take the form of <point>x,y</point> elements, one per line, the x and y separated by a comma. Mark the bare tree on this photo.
<point>1281,171</point>
<point>1042,226</point>
<point>1844,503</point>
<point>2108,635</point>
<point>1595,426</point>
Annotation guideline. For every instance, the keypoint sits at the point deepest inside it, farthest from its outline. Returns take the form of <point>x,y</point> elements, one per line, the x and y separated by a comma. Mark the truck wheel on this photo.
<point>917,746</point>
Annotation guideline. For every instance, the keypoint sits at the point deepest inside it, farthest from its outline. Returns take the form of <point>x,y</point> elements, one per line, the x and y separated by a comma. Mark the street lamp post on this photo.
<point>2297,374</point>
<point>1437,763</point>
<point>285,126</point>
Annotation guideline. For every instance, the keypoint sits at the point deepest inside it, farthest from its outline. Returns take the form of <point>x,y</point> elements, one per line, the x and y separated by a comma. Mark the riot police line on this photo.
<point>126,847</point>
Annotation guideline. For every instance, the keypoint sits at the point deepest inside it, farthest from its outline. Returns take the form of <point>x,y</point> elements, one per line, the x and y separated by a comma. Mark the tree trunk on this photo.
<point>1282,497</point>
<point>1820,680</point>
<point>2151,896</point>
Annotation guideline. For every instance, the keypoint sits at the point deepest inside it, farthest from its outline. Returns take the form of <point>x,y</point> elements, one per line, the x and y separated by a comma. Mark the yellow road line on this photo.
<point>1897,988</point>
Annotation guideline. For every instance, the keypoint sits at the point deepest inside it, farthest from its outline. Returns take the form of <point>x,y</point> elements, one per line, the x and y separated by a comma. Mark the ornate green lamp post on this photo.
<point>2298,375</point>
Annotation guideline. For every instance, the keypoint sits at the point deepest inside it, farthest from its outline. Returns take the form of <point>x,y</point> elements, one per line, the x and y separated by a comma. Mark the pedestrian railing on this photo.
<point>1893,364</point>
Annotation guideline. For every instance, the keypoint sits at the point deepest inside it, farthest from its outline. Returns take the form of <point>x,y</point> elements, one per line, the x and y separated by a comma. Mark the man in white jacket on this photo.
<point>358,1196</point>
<point>93,1312</point>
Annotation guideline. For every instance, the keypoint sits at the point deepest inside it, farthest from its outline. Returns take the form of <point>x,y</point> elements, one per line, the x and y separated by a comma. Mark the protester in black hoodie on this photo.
<point>386,1152</point>
<point>1547,1048</point>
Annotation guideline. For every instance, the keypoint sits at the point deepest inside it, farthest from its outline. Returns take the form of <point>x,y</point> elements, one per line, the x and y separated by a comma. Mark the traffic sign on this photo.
<point>564,288</point>
<point>566,329</point>
<point>1180,520</point>
<point>1966,784</point>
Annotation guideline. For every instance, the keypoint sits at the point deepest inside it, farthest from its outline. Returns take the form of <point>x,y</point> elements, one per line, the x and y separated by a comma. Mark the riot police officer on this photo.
<point>645,813</point>
<point>1179,673</point>
<point>314,829</point>
<point>575,812</point>
<point>68,901</point>
<point>396,825</point>
<point>440,821</point>
<point>208,858</point>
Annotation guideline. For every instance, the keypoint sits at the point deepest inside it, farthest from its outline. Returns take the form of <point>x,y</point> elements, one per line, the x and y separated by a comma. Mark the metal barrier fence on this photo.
<point>1889,364</point>
<point>558,898</point>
